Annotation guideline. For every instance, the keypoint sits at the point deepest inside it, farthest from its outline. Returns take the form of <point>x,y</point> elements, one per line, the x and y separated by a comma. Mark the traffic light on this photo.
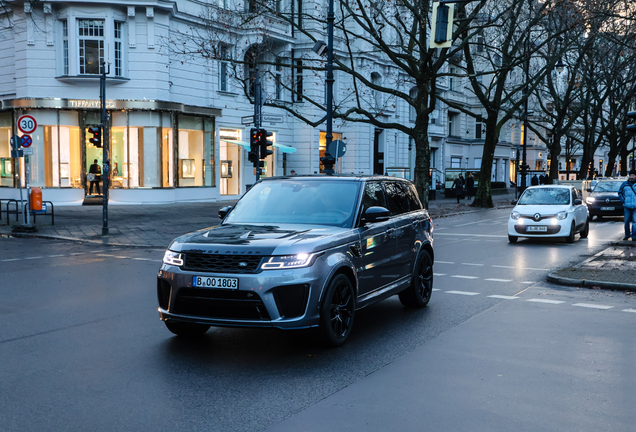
<point>265,143</point>
<point>255,140</point>
<point>631,127</point>
<point>95,133</point>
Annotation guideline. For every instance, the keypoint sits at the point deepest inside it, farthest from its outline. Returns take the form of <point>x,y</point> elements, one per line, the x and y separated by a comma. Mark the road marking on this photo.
<point>78,253</point>
<point>30,258</point>
<point>500,266</point>
<point>468,223</point>
<point>439,274</point>
<point>520,268</point>
<point>527,282</point>
<point>471,264</point>
<point>545,301</point>
<point>143,259</point>
<point>503,297</point>
<point>464,277</point>
<point>499,280</point>
<point>120,256</point>
<point>467,293</point>
<point>629,310</point>
<point>472,235</point>
<point>55,256</point>
<point>444,262</point>
<point>104,255</point>
<point>537,269</point>
<point>437,289</point>
<point>12,259</point>
<point>592,306</point>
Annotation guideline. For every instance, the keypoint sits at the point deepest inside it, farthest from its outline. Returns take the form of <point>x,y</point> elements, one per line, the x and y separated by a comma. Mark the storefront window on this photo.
<point>7,165</point>
<point>230,162</point>
<point>196,159</point>
<point>322,148</point>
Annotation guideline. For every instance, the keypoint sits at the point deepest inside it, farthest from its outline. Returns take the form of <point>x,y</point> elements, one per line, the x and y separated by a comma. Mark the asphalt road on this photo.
<point>82,348</point>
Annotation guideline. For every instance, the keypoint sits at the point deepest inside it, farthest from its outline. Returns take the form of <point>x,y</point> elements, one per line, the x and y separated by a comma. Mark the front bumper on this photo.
<point>524,227</point>
<point>601,209</point>
<point>285,299</point>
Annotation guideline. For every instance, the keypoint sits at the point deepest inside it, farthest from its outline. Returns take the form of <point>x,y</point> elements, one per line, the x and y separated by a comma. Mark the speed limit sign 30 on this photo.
<point>27,124</point>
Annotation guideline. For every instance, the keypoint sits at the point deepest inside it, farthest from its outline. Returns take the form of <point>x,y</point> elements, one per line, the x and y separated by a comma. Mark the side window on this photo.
<point>573,195</point>
<point>414,199</point>
<point>373,196</point>
<point>396,197</point>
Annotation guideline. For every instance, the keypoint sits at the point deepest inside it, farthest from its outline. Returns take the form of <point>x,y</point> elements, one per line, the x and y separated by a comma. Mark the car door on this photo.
<point>580,209</point>
<point>403,206</point>
<point>377,244</point>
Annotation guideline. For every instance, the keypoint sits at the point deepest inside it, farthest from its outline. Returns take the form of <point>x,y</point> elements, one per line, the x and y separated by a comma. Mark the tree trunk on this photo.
<point>555,152</point>
<point>422,175</point>
<point>483,196</point>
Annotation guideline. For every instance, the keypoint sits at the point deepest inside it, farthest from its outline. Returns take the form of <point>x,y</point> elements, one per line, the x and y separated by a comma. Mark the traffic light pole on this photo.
<point>329,160</point>
<point>105,146</point>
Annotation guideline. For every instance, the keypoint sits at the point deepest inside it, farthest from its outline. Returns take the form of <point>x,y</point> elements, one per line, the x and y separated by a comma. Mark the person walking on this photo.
<point>96,171</point>
<point>627,194</point>
<point>534,181</point>
<point>470,184</point>
<point>458,185</point>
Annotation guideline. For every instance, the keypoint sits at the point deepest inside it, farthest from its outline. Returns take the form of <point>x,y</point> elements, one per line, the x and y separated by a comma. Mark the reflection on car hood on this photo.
<point>279,239</point>
<point>543,210</point>
<point>600,195</point>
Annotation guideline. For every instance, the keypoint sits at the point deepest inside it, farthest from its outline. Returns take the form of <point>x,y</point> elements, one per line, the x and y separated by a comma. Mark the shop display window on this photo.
<point>194,152</point>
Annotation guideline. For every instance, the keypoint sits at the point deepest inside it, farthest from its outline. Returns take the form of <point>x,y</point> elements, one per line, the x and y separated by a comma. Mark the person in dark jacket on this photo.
<point>534,181</point>
<point>97,177</point>
<point>458,185</point>
<point>627,194</point>
<point>470,184</point>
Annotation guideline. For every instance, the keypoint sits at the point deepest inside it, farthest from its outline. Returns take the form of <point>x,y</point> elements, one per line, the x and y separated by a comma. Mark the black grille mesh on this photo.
<point>215,303</point>
<point>163,293</point>
<point>221,263</point>
<point>291,300</point>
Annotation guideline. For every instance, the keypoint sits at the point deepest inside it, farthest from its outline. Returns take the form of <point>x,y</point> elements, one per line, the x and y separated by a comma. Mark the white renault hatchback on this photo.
<point>554,211</point>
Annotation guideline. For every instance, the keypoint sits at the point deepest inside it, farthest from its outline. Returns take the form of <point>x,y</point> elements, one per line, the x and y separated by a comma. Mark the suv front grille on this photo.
<point>219,303</point>
<point>291,300</point>
<point>221,263</point>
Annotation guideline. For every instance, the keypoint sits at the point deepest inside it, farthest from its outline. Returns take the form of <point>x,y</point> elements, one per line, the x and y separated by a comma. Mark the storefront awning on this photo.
<point>284,148</point>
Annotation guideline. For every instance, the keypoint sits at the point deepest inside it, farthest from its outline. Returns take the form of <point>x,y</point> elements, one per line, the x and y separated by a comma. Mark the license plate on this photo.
<point>536,229</point>
<point>214,282</point>
<point>608,208</point>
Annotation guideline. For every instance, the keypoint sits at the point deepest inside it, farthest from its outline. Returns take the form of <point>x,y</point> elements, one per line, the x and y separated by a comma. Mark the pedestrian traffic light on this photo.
<point>265,143</point>
<point>254,145</point>
<point>95,136</point>
<point>631,127</point>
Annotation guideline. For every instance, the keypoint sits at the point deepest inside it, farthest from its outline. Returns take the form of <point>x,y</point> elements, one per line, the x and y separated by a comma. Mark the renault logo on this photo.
<point>537,217</point>
<point>607,200</point>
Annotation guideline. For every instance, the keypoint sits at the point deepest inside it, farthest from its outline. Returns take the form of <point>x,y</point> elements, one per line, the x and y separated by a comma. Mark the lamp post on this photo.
<point>328,160</point>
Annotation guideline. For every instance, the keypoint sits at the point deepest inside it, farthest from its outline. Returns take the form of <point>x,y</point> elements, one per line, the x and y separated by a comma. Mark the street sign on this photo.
<point>27,124</point>
<point>247,120</point>
<point>16,142</point>
<point>337,148</point>
<point>26,141</point>
<point>16,154</point>
<point>27,150</point>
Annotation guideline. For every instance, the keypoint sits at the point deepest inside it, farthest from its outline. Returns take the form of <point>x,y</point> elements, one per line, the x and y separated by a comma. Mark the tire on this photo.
<point>418,294</point>
<point>512,239</point>
<point>570,238</point>
<point>187,330</point>
<point>599,218</point>
<point>586,229</point>
<point>337,312</point>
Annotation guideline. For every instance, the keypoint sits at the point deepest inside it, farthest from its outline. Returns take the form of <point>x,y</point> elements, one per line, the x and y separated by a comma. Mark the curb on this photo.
<point>587,283</point>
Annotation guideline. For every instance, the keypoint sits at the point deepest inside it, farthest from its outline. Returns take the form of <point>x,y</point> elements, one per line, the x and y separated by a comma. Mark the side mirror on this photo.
<point>588,190</point>
<point>223,211</point>
<point>376,214</point>
<point>578,202</point>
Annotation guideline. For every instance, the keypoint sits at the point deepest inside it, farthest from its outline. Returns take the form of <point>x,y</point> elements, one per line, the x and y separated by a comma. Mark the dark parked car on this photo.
<point>301,252</point>
<point>603,199</point>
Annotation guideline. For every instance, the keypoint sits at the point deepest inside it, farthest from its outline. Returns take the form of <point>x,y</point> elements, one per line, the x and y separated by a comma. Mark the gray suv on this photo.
<point>301,252</point>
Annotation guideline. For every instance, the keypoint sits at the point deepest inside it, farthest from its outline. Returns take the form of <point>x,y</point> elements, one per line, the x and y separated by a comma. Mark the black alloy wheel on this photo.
<point>419,293</point>
<point>338,311</point>
<point>586,229</point>
<point>186,329</point>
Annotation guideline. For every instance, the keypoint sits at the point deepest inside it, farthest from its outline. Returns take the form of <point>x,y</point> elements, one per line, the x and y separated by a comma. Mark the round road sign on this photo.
<point>26,141</point>
<point>27,124</point>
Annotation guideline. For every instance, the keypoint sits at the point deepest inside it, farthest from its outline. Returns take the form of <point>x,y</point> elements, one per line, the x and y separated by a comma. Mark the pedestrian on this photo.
<point>293,172</point>
<point>541,179</point>
<point>627,194</point>
<point>96,177</point>
<point>461,177</point>
<point>470,184</point>
<point>458,185</point>
<point>535,180</point>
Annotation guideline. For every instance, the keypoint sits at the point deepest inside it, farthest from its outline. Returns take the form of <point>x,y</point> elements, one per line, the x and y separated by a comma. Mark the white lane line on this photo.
<point>537,269</point>
<point>503,297</point>
<point>468,223</point>
<point>464,277</point>
<point>79,253</point>
<point>500,266</point>
<point>629,310</point>
<point>467,293</point>
<point>499,280</point>
<point>11,259</point>
<point>527,282</point>
<point>545,301</point>
<point>435,289</point>
<point>472,235</point>
<point>157,260</point>
<point>104,255</point>
<point>520,268</point>
<point>444,262</point>
<point>439,274</point>
<point>55,256</point>
<point>30,258</point>
<point>143,259</point>
<point>471,264</point>
<point>592,306</point>
<point>120,256</point>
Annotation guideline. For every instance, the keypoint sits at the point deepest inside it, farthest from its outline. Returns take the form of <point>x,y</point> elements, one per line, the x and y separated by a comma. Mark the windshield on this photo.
<point>302,201</point>
<point>545,196</point>
<point>607,186</point>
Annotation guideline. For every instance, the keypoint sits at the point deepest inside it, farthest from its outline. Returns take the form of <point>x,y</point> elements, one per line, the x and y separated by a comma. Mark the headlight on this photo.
<point>590,200</point>
<point>288,261</point>
<point>562,215</point>
<point>173,258</point>
<point>515,215</point>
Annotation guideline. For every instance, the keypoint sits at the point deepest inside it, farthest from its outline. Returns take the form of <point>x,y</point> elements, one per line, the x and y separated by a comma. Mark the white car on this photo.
<point>554,211</point>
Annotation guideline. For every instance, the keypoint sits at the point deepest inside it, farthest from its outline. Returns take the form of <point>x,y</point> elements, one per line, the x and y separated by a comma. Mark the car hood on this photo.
<point>280,239</point>
<point>543,210</point>
<point>604,195</point>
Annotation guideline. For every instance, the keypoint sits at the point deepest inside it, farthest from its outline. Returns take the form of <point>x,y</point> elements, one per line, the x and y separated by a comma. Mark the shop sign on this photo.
<point>231,134</point>
<point>89,103</point>
<point>272,119</point>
